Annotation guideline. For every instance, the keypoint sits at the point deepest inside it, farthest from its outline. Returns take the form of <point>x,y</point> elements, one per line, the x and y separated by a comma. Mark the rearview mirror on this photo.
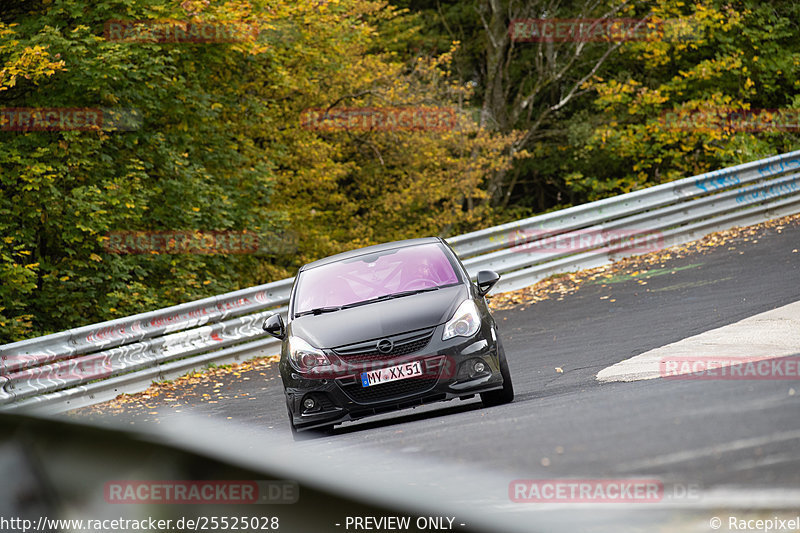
<point>274,326</point>
<point>486,280</point>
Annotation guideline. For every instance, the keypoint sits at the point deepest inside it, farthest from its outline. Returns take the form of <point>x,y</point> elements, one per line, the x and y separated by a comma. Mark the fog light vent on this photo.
<point>476,368</point>
<point>309,404</point>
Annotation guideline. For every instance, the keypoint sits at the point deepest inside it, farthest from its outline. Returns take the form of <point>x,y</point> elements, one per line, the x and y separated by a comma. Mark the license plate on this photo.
<point>392,373</point>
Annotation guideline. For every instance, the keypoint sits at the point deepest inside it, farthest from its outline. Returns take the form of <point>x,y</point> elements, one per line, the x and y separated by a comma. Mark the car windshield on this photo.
<point>373,276</point>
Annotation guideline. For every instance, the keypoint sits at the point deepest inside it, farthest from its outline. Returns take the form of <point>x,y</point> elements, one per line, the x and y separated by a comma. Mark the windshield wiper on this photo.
<point>320,310</point>
<point>409,293</point>
<point>389,297</point>
<point>331,309</point>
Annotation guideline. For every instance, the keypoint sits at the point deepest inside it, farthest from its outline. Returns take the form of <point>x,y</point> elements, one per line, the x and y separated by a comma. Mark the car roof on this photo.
<point>369,250</point>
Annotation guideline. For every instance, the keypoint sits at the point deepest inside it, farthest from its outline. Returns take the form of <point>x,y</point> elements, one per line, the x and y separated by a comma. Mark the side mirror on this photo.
<point>274,326</point>
<point>486,280</point>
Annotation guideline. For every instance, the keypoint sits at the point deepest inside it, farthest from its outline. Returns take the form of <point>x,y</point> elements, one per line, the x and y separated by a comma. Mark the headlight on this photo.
<point>465,322</point>
<point>303,357</point>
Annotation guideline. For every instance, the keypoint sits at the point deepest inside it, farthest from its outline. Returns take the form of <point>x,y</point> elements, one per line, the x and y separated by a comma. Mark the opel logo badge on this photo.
<point>385,345</point>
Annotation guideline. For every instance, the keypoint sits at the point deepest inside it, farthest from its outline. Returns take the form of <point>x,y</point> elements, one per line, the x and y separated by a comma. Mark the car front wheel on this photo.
<point>506,394</point>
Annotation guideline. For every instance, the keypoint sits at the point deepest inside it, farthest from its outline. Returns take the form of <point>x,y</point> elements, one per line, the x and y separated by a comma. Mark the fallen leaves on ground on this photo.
<point>561,285</point>
<point>187,389</point>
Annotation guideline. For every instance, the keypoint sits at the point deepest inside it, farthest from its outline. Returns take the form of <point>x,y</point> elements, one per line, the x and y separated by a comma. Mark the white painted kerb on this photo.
<point>767,335</point>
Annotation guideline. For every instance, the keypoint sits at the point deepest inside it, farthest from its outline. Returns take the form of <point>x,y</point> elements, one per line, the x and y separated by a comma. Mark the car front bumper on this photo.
<point>448,373</point>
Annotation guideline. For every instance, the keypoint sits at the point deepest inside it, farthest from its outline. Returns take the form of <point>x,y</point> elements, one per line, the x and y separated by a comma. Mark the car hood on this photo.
<point>379,319</point>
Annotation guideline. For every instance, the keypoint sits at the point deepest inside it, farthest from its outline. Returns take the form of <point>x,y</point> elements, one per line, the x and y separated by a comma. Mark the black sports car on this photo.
<point>387,327</point>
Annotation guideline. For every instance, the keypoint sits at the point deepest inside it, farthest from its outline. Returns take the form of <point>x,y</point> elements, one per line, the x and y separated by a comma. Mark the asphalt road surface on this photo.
<point>734,443</point>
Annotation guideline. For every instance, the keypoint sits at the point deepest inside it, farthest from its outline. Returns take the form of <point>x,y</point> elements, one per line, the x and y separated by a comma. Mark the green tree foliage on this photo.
<point>662,113</point>
<point>218,140</point>
<point>591,112</point>
<point>219,146</point>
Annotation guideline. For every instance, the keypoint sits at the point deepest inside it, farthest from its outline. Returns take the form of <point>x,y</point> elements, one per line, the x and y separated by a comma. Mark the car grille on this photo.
<point>388,391</point>
<point>404,344</point>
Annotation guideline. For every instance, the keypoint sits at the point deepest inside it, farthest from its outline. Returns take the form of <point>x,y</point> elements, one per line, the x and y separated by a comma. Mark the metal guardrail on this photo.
<point>85,365</point>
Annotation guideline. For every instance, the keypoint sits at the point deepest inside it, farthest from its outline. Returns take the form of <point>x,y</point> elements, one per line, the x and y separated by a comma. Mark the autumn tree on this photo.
<point>217,144</point>
<point>664,112</point>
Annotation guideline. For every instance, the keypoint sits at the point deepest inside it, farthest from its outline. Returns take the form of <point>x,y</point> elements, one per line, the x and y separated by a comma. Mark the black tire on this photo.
<point>291,425</point>
<point>506,394</point>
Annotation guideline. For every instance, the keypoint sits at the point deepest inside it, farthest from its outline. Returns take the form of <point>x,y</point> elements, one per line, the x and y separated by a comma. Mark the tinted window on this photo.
<point>370,276</point>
